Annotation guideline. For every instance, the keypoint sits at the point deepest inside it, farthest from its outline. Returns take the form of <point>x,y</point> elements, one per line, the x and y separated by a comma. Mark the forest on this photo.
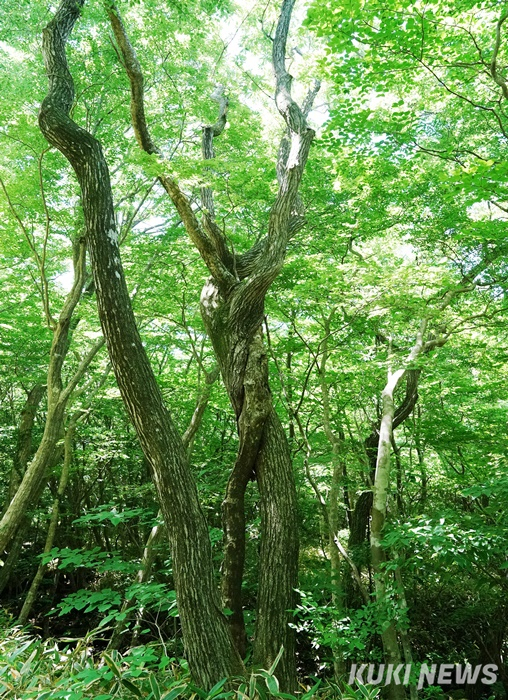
<point>253,350</point>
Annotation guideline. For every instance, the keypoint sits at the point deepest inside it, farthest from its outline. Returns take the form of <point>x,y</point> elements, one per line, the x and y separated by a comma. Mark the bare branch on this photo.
<point>290,111</point>
<point>209,133</point>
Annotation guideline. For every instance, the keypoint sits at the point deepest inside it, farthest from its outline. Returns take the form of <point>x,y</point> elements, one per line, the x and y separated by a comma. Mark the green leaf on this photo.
<point>276,661</point>
<point>155,687</point>
<point>112,665</point>
<point>133,689</point>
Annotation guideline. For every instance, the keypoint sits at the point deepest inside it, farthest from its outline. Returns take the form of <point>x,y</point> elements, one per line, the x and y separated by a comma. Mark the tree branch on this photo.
<point>225,279</point>
<point>498,78</point>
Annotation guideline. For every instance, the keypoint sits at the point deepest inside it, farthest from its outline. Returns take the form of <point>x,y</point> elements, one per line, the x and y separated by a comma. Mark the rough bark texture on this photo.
<point>232,305</point>
<point>208,644</point>
<point>278,561</point>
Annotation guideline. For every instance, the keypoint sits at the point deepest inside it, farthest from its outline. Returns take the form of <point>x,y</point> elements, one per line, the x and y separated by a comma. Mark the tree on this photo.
<point>233,309</point>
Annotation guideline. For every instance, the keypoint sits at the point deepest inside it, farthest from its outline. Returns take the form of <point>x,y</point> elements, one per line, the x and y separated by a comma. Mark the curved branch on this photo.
<point>406,407</point>
<point>498,79</point>
<point>209,133</point>
<point>292,160</point>
<point>206,247</point>
<point>290,111</point>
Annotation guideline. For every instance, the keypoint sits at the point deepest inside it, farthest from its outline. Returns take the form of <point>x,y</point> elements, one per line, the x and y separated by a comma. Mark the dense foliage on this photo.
<point>392,294</point>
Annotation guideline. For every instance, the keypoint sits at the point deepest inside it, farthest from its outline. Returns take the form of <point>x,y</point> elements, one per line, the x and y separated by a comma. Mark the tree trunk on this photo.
<point>381,490</point>
<point>359,520</point>
<point>23,448</point>
<point>232,305</point>
<point>33,478</point>
<point>20,460</point>
<point>278,560</point>
<point>263,454</point>
<point>336,440</point>
<point>58,397</point>
<point>53,524</point>
<point>209,648</point>
<point>381,486</point>
<point>55,511</point>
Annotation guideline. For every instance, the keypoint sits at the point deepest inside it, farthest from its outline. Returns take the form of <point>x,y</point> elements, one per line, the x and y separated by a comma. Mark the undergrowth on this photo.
<point>72,669</point>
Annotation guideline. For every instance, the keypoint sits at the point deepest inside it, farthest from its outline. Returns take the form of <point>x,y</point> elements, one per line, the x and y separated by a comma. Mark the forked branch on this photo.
<point>205,245</point>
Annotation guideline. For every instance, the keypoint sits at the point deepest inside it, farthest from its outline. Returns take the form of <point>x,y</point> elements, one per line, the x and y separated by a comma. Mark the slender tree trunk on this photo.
<point>149,553</point>
<point>23,449</point>
<point>359,520</point>
<point>20,461</point>
<point>421,460</point>
<point>336,485</point>
<point>55,511</point>
<point>263,454</point>
<point>381,490</point>
<point>381,487</point>
<point>34,476</point>
<point>209,648</point>
<point>398,476</point>
<point>53,523</point>
<point>58,397</point>
<point>404,634</point>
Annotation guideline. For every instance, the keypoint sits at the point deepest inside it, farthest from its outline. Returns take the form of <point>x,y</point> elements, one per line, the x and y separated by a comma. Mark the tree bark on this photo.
<point>381,486</point>
<point>381,489</point>
<point>23,448</point>
<point>53,524</point>
<point>209,648</point>
<point>21,456</point>
<point>232,304</point>
<point>336,486</point>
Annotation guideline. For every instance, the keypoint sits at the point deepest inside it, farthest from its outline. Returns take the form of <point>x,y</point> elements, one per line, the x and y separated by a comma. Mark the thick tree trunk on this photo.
<point>233,306</point>
<point>278,560</point>
<point>263,454</point>
<point>209,648</point>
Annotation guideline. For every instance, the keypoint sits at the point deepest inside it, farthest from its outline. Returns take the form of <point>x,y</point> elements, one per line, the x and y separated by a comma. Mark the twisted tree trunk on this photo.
<point>232,303</point>
<point>208,644</point>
